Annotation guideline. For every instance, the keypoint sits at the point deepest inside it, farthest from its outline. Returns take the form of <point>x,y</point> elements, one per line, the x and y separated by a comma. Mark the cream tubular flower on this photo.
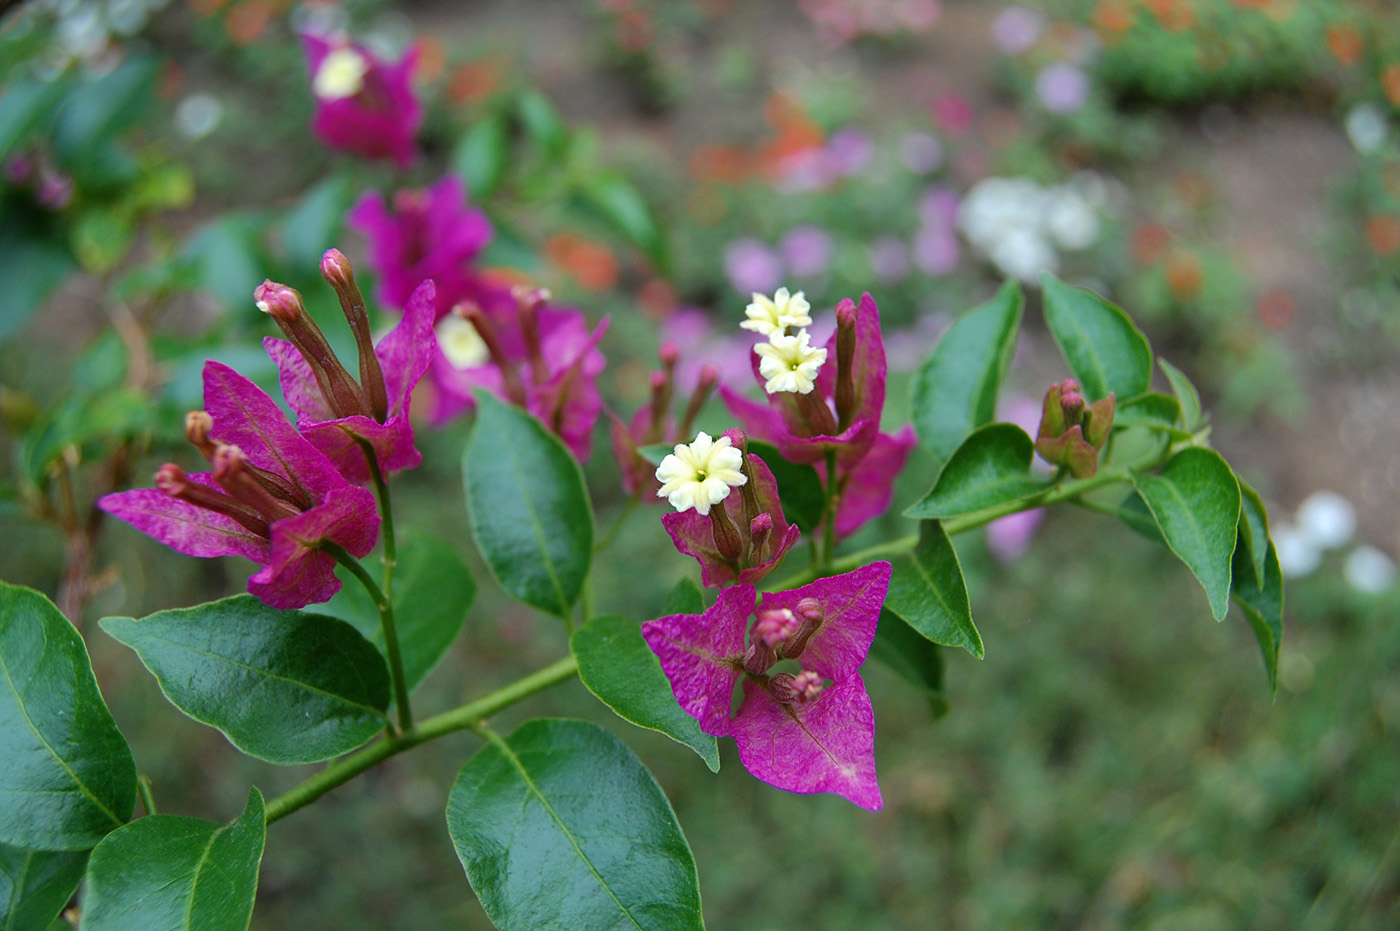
<point>771,317</point>
<point>700,474</point>
<point>341,75</point>
<point>790,363</point>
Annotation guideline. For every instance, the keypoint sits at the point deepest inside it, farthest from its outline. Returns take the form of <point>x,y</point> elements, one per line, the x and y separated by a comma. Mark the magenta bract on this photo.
<point>326,507</point>
<point>800,742</point>
<point>379,119</point>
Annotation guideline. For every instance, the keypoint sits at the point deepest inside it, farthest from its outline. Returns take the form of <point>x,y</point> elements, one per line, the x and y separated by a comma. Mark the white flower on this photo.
<point>771,317</point>
<point>1298,555</point>
<point>1327,519</point>
<point>461,343</point>
<point>1369,570</point>
<point>341,75</point>
<point>700,474</point>
<point>1366,127</point>
<point>790,363</point>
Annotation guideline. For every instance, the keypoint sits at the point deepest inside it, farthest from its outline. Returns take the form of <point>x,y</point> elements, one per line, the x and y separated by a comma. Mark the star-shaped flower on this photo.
<point>790,363</point>
<point>700,474</point>
<point>772,316</point>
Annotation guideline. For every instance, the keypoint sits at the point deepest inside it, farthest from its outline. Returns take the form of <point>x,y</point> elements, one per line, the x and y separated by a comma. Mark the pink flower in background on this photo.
<point>428,234</point>
<point>728,351</point>
<point>363,104</point>
<point>1061,87</point>
<point>889,260</point>
<point>809,731</point>
<point>1017,28</point>
<point>752,266</point>
<point>848,151</point>
<point>921,153</point>
<point>806,250</point>
<point>1009,536</point>
<point>272,497</point>
<point>936,251</point>
<point>953,114</point>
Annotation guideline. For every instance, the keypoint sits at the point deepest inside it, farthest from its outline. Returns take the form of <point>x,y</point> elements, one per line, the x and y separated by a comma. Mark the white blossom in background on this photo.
<point>1022,226</point>
<point>1366,127</point>
<point>460,343</point>
<point>1369,570</point>
<point>198,115</point>
<point>1327,519</point>
<point>1298,555</point>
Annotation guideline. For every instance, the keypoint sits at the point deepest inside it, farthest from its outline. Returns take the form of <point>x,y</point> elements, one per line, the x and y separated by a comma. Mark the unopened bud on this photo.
<point>748,492</point>
<point>812,616</point>
<point>794,690</point>
<point>172,480</point>
<point>669,353</point>
<point>198,426</point>
<point>335,268</point>
<point>709,377</point>
<point>660,406</point>
<point>726,535</point>
<point>278,301</point>
<point>231,471</point>
<point>774,626</point>
<point>760,533</point>
<point>845,394</point>
<point>510,377</point>
<point>343,395</point>
<point>1071,402</point>
<point>528,302</point>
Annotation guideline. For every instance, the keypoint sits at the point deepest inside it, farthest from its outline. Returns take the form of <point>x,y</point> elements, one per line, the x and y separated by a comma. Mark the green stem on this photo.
<point>385,602</point>
<point>148,799</point>
<point>829,513</point>
<point>470,715</point>
<point>960,524</point>
<point>386,620</point>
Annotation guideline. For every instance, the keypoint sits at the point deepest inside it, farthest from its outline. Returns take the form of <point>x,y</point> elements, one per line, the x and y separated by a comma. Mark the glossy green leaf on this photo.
<point>955,390</point>
<point>283,686</point>
<point>560,826</point>
<point>433,590</point>
<point>685,597</point>
<point>23,106</point>
<point>1254,531</point>
<point>67,778</point>
<point>617,201</point>
<point>616,665</point>
<point>1152,410</point>
<point>1187,398</point>
<point>991,467</point>
<point>32,269</point>
<point>169,873</point>
<point>542,122</point>
<point>927,590</point>
<point>1104,349</point>
<point>1196,503</point>
<point>529,508</point>
<point>799,487</point>
<point>1261,599</point>
<point>313,225</point>
<point>913,657</point>
<point>1133,512</point>
<point>98,110</point>
<point>482,155</point>
<point>36,884</point>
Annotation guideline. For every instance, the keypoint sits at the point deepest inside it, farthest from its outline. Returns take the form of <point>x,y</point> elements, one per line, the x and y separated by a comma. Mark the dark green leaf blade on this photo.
<point>33,268</point>
<point>560,826</point>
<point>1186,395</point>
<point>1152,410</point>
<point>927,590</point>
<point>1103,347</point>
<point>685,597</point>
<point>283,686</point>
<point>36,884</point>
<point>168,873</point>
<point>529,508</point>
<point>67,779</point>
<point>1196,503</point>
<point>799,486</point>
<point>955,390</point>
<point>913,657</point>
<point>433,590</point>
<point>617,202</point>
<point>618,667</point>
<point>482,155</point>
<point>991,467</point>
<point>1254,532</point>
<point>1261,600</point>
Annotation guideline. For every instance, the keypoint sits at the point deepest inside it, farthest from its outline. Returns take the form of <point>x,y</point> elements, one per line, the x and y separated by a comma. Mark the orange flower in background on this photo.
<point>432,59</point>
<point>1276,310</point>
<point>1390,83</point>
<point>728,164</point>
<point>590,264</point>
<point>1113,16</point>
<point>1345,43</point>
<point>475,80</point>
<point>1174,15</point>
<point>795,130</point>
<point>247,21</point>
<point>1184,275</point>
<point>1383,234</point>
<point>1150,242</point>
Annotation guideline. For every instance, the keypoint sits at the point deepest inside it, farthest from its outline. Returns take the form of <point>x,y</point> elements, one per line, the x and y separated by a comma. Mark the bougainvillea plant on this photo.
<point>558,824</point>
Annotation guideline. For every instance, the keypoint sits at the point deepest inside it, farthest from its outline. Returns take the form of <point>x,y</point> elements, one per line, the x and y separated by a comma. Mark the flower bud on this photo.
<point>172,480</point>
<point>660,406</point>
<point>283,304</point>
<point>528,302</point>
<point>198,426</point>
<point>760,534</point>
<point>335,268</point>
<point>802,688</point>
<point>1073,432</point>
<point>726,535</point>
<point>231,471</point>
<point>669,354</point>
<point>812,616</point>
<point>510,377</point>
<point>846,315</point>
<point>709,377</point>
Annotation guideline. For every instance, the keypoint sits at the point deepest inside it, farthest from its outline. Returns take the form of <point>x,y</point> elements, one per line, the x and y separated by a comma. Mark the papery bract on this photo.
<point>812,740</point>
<point>868,486</point>
<point>363,104</point>
<point>321,506</point>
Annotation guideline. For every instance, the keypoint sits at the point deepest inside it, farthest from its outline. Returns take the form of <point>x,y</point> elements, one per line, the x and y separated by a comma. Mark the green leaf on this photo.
<point>24,105</point>
<point>617,202</point>
<point>1261,599</point>
<point>991,467</point>
<point>1196,503</point>
<point>482,155</point>
<point>799,487</point>
<point>283,686</point>
<point>67,779</point>
<point>529,508</point>
<point>1133,512</point>
<point>1152,410</point>
<point>684,598</point>
<point>927,590</point>
<point>228,261</point>
<point>433,590</point>
<point>655,452</point>
<point>1254,532</point>
<point>1105,351</point>
<point>168,873</point>
<point>542,122</point>
<point>618,667</point>
<point>102,236</point>
<point>955,390</point>
<point>35,884</point>
<point>1188,399</point>
<point>98,110</point>
<point>313,225</point>
<point>560,826</point>
<point>32,269</point>
<point>913,657</point>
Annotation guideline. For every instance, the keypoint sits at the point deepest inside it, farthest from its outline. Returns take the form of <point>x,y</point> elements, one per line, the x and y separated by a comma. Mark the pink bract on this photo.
<point>379,121</point>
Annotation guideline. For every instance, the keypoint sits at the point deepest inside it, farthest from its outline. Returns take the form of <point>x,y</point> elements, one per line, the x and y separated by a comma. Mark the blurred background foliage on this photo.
<point>1225,169</point>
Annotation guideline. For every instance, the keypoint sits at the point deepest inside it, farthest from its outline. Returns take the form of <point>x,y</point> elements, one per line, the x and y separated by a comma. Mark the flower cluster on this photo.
<point>812,730</point>
<point>1021,226</point>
